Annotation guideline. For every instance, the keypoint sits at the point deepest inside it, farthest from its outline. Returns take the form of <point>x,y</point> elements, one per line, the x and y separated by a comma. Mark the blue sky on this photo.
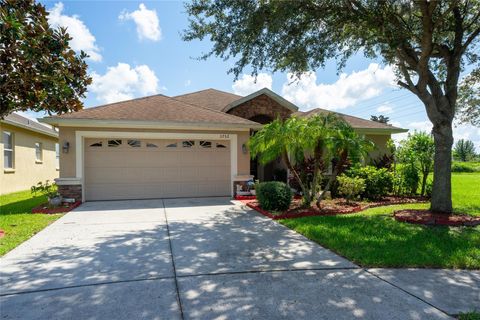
<point>136,50</point>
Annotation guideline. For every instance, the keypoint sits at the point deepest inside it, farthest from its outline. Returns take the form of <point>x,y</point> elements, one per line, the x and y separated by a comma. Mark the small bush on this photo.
<point>410,179</point>
<point>378,182</point>
<point>350,187</point>
<point>463,167</point>
<point>274,196</point>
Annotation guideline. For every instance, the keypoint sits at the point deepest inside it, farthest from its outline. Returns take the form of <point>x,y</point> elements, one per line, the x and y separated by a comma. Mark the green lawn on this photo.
<point>373,238</point>
<point>466,192</point>
<point>17,220</point>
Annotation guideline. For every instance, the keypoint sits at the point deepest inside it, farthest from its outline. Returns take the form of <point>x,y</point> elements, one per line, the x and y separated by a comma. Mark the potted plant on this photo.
<point>251,187</point>
<point>50,191</point>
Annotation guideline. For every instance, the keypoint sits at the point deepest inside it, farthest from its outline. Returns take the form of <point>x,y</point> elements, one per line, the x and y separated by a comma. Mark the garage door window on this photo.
<point>114,143</point>
<point>151,145</point>
<point>205,144</point>
<point>134,143</point>
<point>172,145</point>
<point>221,146</point>
<point>188,143</point>
<point>96,144</point>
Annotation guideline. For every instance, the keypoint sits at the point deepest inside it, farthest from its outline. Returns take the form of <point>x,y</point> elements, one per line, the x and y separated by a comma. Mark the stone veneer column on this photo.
<point>70,188</point>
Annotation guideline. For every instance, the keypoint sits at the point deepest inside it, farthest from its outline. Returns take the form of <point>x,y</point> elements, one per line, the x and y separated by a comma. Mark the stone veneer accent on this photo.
<point>71,191</point>
<point>261,105</point>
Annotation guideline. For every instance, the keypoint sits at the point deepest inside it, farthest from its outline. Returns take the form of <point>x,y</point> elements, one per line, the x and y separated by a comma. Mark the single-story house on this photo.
<point>190,145</point>
<point>30,153</point>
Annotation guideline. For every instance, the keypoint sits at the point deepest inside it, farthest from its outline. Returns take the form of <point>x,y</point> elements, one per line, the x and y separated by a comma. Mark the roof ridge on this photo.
<point>213,110</point>
<point>186,94</point>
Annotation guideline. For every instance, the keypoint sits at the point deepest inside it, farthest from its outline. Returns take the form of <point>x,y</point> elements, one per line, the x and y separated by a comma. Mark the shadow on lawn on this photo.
<point>87,252</point>
<point>380,241</point>
<point>21,206</point>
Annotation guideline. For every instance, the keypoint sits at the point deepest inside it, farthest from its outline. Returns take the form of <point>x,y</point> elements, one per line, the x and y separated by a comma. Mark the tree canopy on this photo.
<point>428,43</point>
<point>464,150</point>
<point>38,69</point>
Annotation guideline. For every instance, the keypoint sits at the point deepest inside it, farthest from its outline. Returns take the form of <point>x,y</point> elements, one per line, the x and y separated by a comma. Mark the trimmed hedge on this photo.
<point>463,167</point>
<point>274,195</point>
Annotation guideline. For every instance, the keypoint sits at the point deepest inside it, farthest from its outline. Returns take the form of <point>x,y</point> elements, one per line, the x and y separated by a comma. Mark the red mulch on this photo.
<point>431,218</point>
<point>237,197</point>
<point>329,207</point>
<point>64,207</point>
<point>2,233</point>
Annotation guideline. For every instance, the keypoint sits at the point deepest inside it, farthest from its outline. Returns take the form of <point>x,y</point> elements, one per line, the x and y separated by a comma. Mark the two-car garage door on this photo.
<point>143,169</point>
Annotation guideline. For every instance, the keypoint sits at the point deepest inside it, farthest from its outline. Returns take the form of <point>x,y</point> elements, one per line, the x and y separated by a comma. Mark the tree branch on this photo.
<point>472,37</point>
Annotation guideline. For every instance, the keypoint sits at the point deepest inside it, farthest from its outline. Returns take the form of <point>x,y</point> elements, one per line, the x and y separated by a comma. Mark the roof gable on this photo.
<point>280,100</point>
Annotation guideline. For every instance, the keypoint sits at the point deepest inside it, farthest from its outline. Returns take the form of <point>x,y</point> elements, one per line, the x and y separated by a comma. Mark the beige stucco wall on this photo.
<point>27,171</point>
<point>380,141</point>
<point>67,134</point>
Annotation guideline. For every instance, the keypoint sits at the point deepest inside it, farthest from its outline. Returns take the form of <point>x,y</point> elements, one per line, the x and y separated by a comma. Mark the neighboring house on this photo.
<point>190,145</point>
<point>30,153</point>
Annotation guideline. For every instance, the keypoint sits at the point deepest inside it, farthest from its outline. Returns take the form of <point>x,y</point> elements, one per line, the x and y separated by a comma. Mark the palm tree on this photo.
<point>325,136</point>
<point>344,145</point>
<point>286,139</point>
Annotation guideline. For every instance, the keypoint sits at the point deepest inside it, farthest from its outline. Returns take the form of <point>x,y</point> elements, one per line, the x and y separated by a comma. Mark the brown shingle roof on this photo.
<point>155,108</point>
<point>209,98</point>
<point>16,119</point>
<point>355,122</point>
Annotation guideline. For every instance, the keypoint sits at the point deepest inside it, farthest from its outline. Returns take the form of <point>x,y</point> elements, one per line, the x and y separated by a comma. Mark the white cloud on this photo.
<point>247,84</point>
<point>348,90</point>
<point>82,38</point>
<point>148,26</point>
<point>187,83</point>
<point>123,82</point>
<point>385,109</point>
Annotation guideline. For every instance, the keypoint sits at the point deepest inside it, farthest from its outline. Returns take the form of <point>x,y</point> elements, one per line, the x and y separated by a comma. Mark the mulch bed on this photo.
<point>329,207</point>
<point>64,207</point>
<point>431,218</point>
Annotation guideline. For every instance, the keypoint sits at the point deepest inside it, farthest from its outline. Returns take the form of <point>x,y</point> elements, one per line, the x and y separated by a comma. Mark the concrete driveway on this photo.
<point>204,258</point>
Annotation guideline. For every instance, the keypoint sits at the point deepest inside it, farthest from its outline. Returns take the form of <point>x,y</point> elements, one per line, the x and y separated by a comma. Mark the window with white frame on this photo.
<point>57,156</point>
<point>38,151</point>
<point>8,150</point>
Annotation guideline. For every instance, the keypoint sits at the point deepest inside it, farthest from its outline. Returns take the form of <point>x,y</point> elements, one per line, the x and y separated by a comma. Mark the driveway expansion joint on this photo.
<point>179,299</point>
<point>84,285</point>
<point>409,293</point>
<point>264,271</point>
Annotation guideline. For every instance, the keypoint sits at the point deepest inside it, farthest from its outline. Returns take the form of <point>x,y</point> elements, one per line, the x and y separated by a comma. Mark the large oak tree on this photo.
<point>38,69</point>
<point>427,41</point>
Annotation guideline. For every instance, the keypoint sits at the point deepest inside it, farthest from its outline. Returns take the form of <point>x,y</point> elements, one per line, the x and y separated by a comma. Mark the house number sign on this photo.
<point>224,136</point>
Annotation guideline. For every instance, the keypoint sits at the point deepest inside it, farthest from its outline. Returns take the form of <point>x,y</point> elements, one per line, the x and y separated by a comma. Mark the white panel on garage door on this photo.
<point>143,169</point>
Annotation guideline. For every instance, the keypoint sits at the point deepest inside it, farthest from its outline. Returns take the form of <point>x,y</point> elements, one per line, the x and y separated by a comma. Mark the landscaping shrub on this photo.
<point>350,187</point>
<point>378,182</point>
<point>274,195</point>
<point>463,167</point>
<point>410,180</point>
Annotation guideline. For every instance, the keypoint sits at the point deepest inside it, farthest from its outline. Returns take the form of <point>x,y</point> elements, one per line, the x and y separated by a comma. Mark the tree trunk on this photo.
<point>424,183</point>
<point>442,181</point>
